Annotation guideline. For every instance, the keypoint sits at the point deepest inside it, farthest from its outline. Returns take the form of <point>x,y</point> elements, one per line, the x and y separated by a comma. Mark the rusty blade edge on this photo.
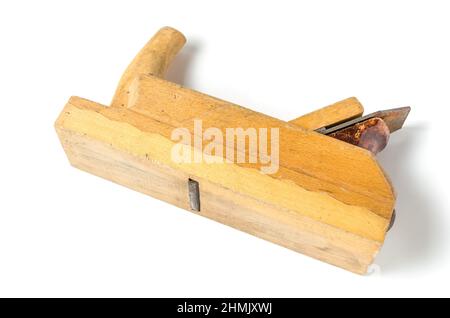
<point>394,119</point>
<point>371,134</point>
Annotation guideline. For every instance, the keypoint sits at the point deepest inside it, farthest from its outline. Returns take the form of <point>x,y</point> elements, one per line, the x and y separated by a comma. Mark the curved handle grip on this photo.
<point>153,59</point>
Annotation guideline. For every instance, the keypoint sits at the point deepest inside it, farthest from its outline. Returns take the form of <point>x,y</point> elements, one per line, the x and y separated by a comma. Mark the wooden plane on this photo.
<point>328,198</point>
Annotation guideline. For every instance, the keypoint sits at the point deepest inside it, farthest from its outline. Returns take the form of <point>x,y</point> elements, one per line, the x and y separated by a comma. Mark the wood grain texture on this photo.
<point>336,113</point>
<point>317,162</point>
<point>153,59</point>
<point>328,199</point>
<point>134,150</point>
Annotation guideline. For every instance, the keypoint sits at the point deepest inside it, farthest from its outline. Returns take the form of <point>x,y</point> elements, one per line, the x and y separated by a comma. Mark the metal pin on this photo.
<point>392,221</point>
<point>194,195</point>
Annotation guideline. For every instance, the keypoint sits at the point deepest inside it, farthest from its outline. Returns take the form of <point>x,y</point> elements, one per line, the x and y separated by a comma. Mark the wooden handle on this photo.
<point>341,111</point>
<point>153,59</point>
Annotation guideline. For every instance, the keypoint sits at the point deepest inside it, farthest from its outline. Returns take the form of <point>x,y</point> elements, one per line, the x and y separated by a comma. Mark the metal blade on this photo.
<point>394,119</point>
<point>371,134</point>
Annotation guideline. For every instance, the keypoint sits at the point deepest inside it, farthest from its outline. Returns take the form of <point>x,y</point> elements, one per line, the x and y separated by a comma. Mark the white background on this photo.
<point>64,232</point>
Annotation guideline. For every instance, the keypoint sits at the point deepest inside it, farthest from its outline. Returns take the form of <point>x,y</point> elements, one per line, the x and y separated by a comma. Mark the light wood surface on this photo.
<point>300,150</point>
<point>346,230</point>
<point>153,59</point>
<point>336,113</point>
<point>328,199</point>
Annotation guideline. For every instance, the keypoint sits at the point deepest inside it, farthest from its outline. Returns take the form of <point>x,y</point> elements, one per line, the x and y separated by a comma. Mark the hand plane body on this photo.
<point>323,197</point>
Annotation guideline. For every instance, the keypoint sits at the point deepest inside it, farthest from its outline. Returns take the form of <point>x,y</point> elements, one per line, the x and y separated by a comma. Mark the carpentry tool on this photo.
<point>328,198</point>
